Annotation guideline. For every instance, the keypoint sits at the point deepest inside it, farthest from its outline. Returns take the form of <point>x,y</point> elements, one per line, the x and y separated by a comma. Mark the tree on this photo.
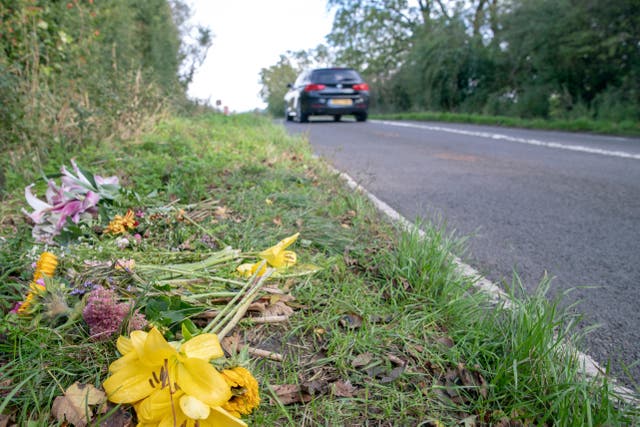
<point>374,36</point>
<point>274,80</point>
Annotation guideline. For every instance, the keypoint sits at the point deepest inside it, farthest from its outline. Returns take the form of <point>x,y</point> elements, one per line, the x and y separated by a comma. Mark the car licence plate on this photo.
<point>340,102</point>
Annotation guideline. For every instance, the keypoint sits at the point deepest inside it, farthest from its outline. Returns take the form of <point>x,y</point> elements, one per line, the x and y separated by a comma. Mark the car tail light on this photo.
<point>313,87</point>
<point>361,86</point>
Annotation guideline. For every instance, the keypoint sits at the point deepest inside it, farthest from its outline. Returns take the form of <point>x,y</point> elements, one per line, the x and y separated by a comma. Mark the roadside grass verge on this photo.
<point>627,127</point>
<point>386,333</point>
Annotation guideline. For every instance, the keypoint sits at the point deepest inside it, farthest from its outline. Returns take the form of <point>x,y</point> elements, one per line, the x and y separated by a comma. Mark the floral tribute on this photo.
<point>174,384</point>
<point>75,199</point>
<point>171,370</point>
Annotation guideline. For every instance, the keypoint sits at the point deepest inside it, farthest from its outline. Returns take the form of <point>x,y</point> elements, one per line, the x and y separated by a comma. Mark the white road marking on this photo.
<point>589,366</point>
<point>498,136</point>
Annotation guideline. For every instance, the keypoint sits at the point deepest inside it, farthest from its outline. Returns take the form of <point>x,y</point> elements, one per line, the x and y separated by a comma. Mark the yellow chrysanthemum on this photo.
<point>244,389</point>
<point>45,267</point>
<point>121,224</point>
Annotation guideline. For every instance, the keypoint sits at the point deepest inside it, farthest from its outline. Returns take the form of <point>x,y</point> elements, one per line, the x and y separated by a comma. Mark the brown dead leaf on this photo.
<point>351,320</point>
<point>290,393</point>
<point>231,343</point>
<point>278,309</point>
<point>316,387</point>
<point>76,404</point>
<point>445,341</point>
<point>4,420</point>
<point>396,360</point>
<point>221,212</point>
<point>343,389</point>
<point>393,375</point>
<point>362,360</point>
<point>460,383</point>
<point>116,417</point>
<point>277,221</point>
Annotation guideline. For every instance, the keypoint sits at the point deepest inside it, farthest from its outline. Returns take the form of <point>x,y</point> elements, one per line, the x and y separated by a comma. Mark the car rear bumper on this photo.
<point>326,106</point>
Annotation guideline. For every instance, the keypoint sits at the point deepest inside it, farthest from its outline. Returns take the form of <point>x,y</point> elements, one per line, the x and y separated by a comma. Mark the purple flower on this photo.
<point>106,316</point>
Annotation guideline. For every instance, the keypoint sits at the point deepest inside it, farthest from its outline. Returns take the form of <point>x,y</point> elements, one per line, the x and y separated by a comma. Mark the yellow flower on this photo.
<point>276,256</point>
<point>45,267</point>
<point>150,367</point>
<point>244,390</point>
<point>120,224</point>
<point>166,409</point>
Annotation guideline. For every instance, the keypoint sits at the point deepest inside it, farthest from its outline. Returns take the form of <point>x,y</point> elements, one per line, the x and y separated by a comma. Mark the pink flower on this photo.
<point>106,316</point>
<point>76,198</point>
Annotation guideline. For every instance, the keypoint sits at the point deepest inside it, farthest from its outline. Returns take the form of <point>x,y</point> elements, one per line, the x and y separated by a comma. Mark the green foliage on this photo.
<point>549,59</point>
<point>392,298</point>
<point>76,72</point>
<point>274,82</point>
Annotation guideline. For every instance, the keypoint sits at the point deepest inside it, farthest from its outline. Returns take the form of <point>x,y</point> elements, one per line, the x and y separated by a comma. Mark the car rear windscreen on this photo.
<point>329,77</point>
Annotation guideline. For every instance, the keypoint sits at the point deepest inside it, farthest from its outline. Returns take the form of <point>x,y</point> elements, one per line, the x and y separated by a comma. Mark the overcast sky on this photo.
<point>250,35</point>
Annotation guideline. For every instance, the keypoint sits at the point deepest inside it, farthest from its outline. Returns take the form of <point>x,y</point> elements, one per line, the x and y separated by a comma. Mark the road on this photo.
<point>537,203</point>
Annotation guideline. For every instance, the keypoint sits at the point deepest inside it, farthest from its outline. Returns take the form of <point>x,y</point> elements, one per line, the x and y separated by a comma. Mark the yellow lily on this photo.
<point>276,256</point>
<point>166,409</point>
<point>150,364</point>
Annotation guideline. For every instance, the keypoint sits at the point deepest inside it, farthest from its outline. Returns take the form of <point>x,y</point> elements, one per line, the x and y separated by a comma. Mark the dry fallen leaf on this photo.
<point>343,389</point>
<point>231,343</point>
<point>76,404</point>
<point>4,420</point>
<point>116,417</point>
<point>362,360</point>
<point>351,321</point>
<point>221,212</point>
<point>290,393</point>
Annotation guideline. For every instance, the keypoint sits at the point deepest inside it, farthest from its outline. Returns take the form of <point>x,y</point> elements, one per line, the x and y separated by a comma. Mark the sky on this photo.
<point>250,35</point>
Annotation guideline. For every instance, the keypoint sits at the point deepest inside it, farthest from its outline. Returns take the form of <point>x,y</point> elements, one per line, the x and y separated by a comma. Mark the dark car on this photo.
<point>327,91</point>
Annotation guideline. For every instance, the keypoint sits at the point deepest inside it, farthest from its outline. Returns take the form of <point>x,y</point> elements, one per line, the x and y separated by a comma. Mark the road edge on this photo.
<point>590,367</point>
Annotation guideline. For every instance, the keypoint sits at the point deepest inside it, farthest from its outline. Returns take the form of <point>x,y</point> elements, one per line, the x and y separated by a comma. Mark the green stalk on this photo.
<point>241,309</point>
<point>232,304</point>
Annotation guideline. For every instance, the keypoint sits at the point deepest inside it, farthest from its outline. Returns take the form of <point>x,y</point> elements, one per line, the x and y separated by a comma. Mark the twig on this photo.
<point>263,353</point>
<point>269,319</point>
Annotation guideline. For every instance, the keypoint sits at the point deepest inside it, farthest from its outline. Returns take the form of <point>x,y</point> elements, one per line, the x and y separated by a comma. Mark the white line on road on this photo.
<point>590,367</point>
<point>528,141</point>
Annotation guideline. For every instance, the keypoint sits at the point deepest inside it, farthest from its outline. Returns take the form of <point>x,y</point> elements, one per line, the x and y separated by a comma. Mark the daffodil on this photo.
<point>167,382</point>
<point>276,256</point>
<point>244,389</point>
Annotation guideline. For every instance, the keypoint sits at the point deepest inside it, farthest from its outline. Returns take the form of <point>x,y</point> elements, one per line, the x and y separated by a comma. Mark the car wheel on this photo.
<point>302,117</point>
<point>361,117</point>
<point>337,118</point>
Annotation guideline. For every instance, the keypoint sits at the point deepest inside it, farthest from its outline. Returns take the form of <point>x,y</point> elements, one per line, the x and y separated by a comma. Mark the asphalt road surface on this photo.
<point>532,202</point>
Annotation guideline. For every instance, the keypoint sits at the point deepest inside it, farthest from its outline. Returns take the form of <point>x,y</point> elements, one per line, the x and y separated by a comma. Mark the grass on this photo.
<point>626,127</point>
<point>386,333</point>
